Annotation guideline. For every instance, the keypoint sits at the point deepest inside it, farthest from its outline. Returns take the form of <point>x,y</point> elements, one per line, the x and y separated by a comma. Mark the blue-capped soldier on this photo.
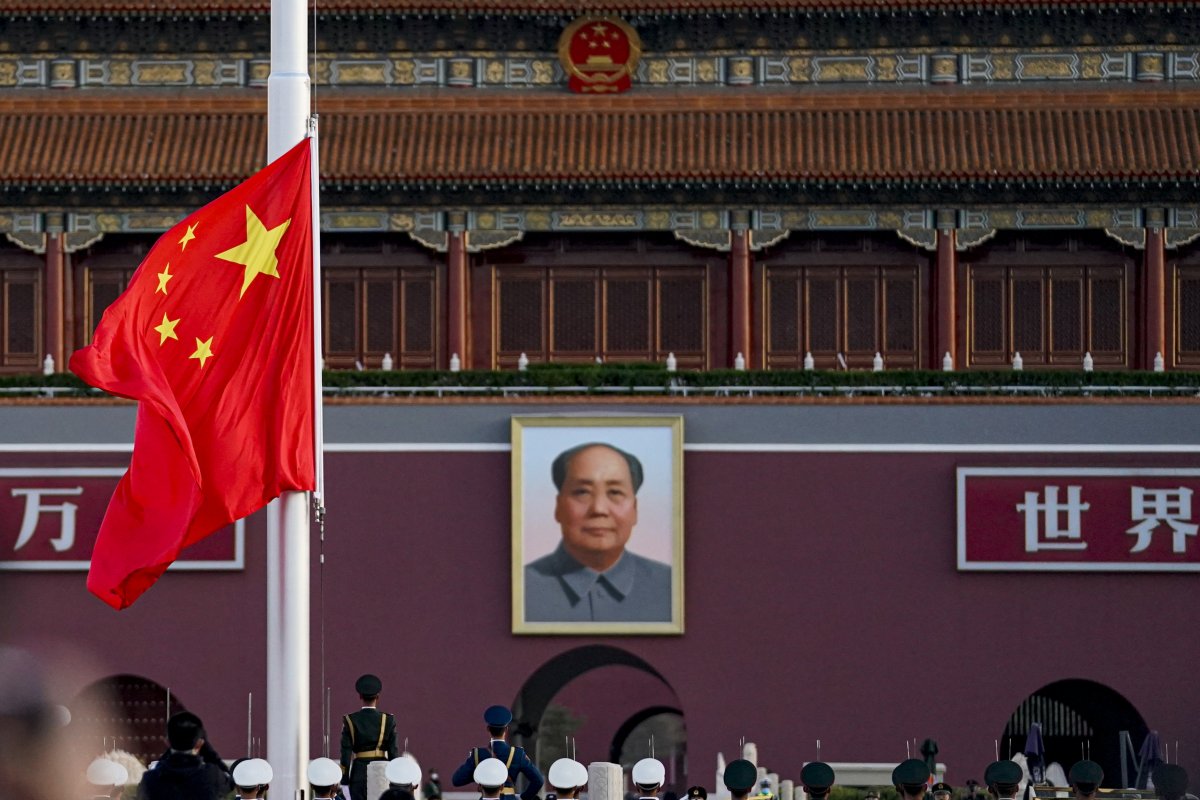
<point>515,760</point>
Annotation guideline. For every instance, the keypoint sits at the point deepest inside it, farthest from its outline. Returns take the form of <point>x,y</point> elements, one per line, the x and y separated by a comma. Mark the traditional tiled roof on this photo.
<point>946,136</point>
<point>539,7</point>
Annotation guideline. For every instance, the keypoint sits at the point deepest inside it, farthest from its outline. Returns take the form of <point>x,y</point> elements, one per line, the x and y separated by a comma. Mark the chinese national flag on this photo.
<point>214,339</point>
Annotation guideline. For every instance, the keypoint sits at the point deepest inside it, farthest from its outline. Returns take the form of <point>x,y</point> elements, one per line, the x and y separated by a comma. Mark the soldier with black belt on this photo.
<point>367,735</point>
<point>515,760</point>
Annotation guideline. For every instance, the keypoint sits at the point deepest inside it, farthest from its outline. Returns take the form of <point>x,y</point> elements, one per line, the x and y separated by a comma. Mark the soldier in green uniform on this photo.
<point>910,778</point>
<point>367,735</point>
<point>1003,779</point>
<point>817,778</point>
<point>740,777</point>
<point>1085,778</point>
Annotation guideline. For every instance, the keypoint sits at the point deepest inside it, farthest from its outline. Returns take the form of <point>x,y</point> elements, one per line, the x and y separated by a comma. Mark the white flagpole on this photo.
<point>287,517</point>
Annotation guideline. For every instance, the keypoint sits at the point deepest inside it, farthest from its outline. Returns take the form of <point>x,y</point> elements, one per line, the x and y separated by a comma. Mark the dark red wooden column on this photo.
<point>456,288</point>
<point>1154,265</point>
<point>946,298</point>
<point>54,294</point>
<point>740,297</point>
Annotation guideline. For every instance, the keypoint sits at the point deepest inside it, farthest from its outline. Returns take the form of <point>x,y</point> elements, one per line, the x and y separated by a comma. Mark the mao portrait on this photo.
<point>597,525</point>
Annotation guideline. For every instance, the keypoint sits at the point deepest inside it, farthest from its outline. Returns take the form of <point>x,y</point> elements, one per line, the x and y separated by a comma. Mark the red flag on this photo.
<point>214,339</point>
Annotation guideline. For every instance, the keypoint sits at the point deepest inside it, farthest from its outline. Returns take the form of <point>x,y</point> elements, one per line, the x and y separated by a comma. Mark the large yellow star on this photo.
<point>257,253</point>
<point>167,330</point>
<point>187,237</point>
<point>163,277</point>
<point>203,351</point>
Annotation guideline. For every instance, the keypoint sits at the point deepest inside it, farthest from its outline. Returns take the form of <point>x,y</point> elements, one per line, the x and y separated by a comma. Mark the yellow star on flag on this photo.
<point>203,351</point>
<point>187,237</point>
<point>167,331</point>
<point>163,277</point>
<point>257,253</point>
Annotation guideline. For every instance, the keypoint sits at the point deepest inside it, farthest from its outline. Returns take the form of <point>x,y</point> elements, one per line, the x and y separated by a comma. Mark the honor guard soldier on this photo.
<point>404,773</point>
<point>910,778</point>
<point>817,777</point>
<point>492,777</point>
<point>1085,778</point>
<point>367,735</point>
<point>324,775</point>
<point>497,719</point>
<point>1170,781</point>
<point>252,777</point>
<point>1003,779</point>
<point>565,778</point>
<point>697,793</point>
<point>648,776</point>
<point>107,778</point>
<point>740,777</point>
<point>941,791</point>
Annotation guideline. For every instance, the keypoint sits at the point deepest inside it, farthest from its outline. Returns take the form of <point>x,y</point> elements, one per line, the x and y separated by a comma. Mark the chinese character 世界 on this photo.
<point>1151,508</point>
<point>1043,530</point>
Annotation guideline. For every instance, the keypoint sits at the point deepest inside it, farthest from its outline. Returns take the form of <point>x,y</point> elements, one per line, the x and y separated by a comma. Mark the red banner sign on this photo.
<point>49,518</point>
<point>1086,519</point>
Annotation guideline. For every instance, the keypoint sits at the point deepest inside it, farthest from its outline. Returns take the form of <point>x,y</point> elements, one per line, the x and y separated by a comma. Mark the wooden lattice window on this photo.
<point>1185,316</point>
<point>578,314</point>
<point>1051,315</point>
<point>20,313</point>
<point>845,295</point>
<point>373,312</point>
<point>379,298</point>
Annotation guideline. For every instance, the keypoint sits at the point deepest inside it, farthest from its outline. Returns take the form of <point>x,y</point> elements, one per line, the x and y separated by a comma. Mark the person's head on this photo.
<point>368,688</point>
<point>252,777</point>
<point>910,777</point>
<point>1003,778</point>
<point>324,774</point>
<point>106,777</point>
<point>596,505</point>
<point>491,775</point>
<point>497,719</point>
<point>740,777</point>
<point>185,732</point>
<point>941,791</point>
<point>697,793</point>
<point>403,773</point>
<point>972,786</point>
<point>817,778</point>
<point>1170,781</point>
<point>397,794</point>
<point>433,775</point>
<point>1085,778</point>
<point>648,776</point>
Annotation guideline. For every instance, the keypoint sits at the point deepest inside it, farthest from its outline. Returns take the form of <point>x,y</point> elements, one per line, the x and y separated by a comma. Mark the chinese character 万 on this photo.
<point>1151,508</point>
<point>1042,520</point>
<point>33,509</point>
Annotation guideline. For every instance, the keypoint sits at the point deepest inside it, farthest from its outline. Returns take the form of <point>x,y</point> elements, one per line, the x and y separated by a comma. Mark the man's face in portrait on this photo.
<point>596,507</point>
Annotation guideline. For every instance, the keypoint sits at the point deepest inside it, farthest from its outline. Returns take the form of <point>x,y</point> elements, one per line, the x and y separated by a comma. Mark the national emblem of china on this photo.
<point>599,54</point>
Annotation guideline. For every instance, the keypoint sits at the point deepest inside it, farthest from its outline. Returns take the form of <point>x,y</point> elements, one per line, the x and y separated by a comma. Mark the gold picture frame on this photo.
<point>597,525</point>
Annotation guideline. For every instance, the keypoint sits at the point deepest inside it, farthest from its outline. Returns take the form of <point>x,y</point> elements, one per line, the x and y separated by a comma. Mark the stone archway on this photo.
<point>590,700</point>
<point>1078,717</point>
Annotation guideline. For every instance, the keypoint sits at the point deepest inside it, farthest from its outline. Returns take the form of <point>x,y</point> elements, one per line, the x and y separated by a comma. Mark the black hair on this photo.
<point>558,469</point>
<point>369,698</point>
<point>184,730</point>
<point>397,794</point>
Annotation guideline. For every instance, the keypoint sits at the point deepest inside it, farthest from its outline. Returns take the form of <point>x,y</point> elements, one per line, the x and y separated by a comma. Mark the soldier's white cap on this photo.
<point>324,772</point>
<point>491,772</point>
<point>649,772</point>
<point>103,772</point>
<point>564,774</point>
<point>583,774</point>
<point>253,772</point>
<point>403,770</point>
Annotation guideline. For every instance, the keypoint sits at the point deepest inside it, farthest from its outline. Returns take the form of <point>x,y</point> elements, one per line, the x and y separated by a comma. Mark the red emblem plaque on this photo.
<point>599,54</point>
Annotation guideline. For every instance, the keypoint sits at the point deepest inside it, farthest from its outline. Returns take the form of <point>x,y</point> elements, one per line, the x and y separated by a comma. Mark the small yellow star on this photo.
<point>163,277</point>
<point>600,28</point>
<point>203,351</point>
<point>167,330</point>
<point>257,253</point>
<point>187,237</point>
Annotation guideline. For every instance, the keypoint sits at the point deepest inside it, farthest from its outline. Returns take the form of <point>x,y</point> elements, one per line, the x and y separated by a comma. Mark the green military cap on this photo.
<point>910,772</point>
<point>941,786</point>
<point>1170,780</point>
<point>817,775</point>
<point>1088,772</point>
<point>740,776</point>
<point>1003,773</point>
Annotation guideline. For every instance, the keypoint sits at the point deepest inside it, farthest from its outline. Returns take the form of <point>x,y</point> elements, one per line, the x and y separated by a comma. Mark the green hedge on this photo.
<point>606,378</point>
